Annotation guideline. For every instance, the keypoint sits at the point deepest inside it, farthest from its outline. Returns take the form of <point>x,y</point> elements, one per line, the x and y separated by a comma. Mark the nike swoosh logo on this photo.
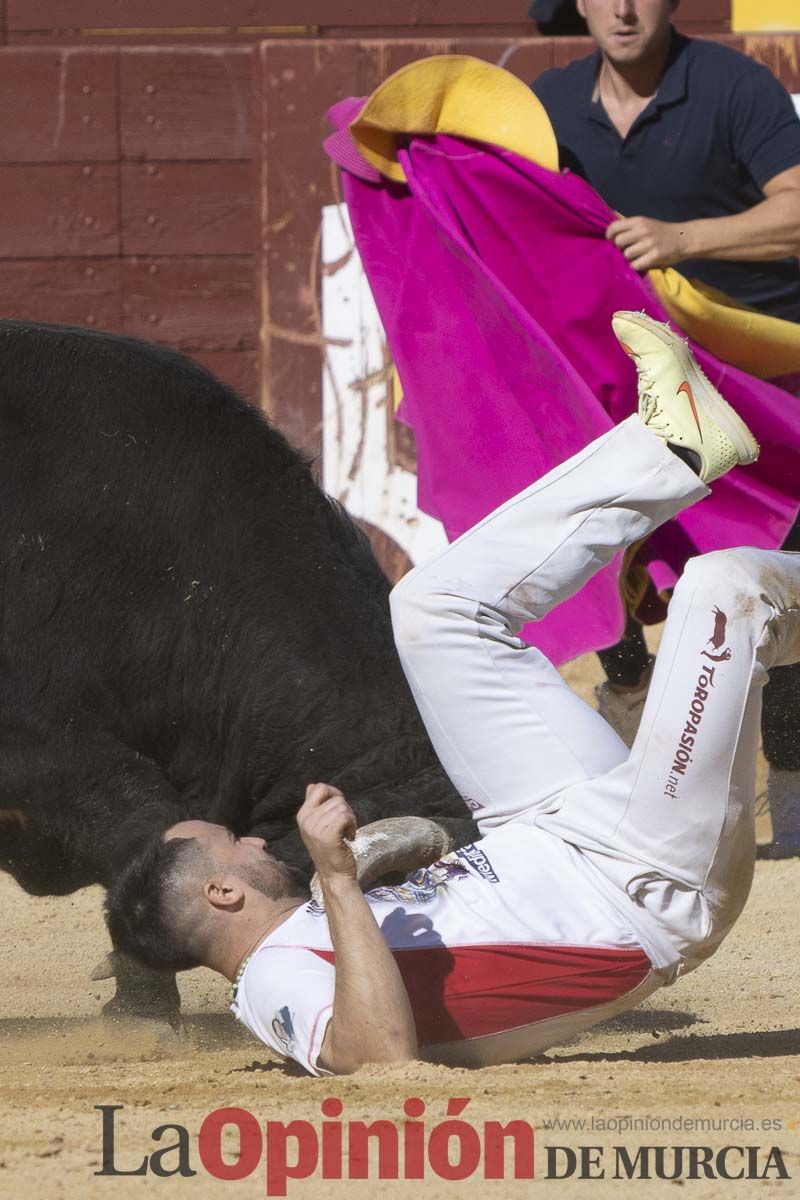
<point>688,391</point>
<point>630,353</point>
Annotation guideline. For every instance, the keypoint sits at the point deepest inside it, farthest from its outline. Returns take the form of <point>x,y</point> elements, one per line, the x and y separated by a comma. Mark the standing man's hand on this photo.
<point>648,243</point>
<point>324,821</point>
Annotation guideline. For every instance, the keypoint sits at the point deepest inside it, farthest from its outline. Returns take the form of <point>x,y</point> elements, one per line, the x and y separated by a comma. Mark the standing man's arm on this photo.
<point>762,132</point>
<point>767,231</point>
<point>372,1019</point>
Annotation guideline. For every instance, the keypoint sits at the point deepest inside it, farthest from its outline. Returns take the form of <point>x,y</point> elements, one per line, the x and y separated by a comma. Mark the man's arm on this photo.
<point>767,231</point>
<point>372,1019</point>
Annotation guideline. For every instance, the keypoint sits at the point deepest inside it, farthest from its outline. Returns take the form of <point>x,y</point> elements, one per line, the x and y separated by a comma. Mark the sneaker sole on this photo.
<point>717,408</point>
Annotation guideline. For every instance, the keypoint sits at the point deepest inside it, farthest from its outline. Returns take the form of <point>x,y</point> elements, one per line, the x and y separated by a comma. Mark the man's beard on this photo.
<point>274,879</point>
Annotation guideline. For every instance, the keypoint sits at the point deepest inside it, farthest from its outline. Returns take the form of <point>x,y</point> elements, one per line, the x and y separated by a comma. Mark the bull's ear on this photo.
<point>224,892</point>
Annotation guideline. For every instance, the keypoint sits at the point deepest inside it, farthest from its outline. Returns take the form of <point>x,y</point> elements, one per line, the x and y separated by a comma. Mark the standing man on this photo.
<point>699,147</point>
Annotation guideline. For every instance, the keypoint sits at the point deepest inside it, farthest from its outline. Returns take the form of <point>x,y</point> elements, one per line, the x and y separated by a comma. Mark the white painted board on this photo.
<point>356,395</point>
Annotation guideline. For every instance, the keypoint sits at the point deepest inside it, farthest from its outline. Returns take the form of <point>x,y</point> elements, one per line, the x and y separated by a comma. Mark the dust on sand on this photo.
<point>722,1044</point>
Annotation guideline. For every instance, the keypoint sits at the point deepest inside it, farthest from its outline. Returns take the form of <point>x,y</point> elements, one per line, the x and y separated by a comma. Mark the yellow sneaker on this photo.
<point>677,402</point>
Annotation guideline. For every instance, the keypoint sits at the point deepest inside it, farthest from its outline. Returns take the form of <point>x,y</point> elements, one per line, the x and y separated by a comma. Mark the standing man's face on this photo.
<point>628,31</point>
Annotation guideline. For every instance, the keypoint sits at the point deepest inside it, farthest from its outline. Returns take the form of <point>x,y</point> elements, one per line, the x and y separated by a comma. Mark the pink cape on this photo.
<point>495,285</point>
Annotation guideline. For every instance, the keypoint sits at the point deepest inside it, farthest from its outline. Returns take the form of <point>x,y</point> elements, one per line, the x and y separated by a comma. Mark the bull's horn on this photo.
<point>394,845</point>
<point>106,968</point>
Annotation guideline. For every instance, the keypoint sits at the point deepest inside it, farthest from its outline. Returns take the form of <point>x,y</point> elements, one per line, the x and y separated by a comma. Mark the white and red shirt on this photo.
<point>505,947</point>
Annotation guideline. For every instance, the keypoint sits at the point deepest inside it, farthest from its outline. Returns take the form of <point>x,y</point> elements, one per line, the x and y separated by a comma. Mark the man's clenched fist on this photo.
<point>324,821</point>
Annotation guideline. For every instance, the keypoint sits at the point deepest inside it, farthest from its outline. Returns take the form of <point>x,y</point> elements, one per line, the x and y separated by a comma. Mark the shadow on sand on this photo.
<point>695,1047</point>
<point>31,1041</point>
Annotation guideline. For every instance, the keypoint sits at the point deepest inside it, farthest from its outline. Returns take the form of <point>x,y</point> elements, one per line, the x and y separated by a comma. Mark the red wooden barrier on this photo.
<point>175,193</point>
<point>59,105</point>
<point>189,208</point>
<point>193,303</point>
<point>63,21</point>
<point>178,103</point>
<point>59,210</point>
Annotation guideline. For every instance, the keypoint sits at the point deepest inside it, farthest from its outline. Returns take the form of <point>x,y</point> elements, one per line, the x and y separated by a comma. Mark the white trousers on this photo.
<point>670,823</point>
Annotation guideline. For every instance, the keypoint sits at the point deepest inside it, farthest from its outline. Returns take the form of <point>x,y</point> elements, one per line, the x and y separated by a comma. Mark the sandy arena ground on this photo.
<point>721,1044</point>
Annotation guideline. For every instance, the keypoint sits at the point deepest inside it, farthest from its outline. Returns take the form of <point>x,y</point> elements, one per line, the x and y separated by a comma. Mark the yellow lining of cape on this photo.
<point>457,94</point>
<point>766,347</point>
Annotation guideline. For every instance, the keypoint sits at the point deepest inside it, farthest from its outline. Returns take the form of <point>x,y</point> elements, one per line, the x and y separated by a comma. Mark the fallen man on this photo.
<point>602,874</point>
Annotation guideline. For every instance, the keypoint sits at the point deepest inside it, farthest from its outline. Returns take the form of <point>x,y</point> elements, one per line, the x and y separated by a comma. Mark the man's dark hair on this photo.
<point>140,916</point>
<point>558,18</point>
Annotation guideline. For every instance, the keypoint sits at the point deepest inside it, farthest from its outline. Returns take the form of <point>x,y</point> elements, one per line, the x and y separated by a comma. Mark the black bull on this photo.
<point>190,627</point>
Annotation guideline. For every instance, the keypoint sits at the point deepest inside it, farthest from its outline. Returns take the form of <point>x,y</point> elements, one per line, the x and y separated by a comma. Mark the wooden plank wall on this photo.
<point>174,193</point>
<point>129,195</point>
<point>81,21</point>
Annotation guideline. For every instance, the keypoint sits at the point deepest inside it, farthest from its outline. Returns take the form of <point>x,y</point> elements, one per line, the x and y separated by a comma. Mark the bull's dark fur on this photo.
<point>189,626</point>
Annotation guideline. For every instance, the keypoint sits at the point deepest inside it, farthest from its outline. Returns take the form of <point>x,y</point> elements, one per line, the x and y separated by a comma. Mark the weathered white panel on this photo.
<point>356,397</point>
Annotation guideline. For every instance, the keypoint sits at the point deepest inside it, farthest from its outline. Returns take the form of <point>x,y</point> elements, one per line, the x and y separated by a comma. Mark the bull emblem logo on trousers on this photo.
<point>717,639</point>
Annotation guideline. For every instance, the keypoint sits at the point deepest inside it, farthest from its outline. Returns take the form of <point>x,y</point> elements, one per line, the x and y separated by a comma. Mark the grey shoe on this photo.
<point>623,712</point>
<point>783,793</point>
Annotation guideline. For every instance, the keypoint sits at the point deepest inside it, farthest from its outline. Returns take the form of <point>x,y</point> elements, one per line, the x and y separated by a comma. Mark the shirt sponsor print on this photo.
<point>283,1031</point>
<point>422,885</point>
<point>476,858</point>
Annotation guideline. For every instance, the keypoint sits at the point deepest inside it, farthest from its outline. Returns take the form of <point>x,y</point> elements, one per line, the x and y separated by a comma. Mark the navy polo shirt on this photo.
<point>718,129</point>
